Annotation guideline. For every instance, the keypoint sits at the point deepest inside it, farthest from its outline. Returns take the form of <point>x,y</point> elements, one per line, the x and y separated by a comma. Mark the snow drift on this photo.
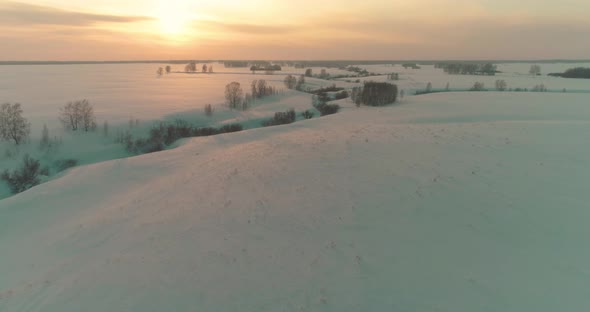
<point>447,202</point>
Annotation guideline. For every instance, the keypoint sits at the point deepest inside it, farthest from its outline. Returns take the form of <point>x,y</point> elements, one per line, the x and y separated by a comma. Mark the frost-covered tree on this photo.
<point>78,115</point>
<point>13,126</point>
<point>234,95</point>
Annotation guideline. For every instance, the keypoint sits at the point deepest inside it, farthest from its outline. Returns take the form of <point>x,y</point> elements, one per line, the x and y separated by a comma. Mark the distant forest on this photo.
<point>578,72</point>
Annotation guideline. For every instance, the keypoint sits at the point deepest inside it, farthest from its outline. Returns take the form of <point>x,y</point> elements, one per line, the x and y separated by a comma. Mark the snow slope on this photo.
<point>446,202</point>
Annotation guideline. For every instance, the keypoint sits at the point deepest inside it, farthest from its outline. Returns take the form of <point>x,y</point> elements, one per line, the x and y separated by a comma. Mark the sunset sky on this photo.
<point>303,29</point>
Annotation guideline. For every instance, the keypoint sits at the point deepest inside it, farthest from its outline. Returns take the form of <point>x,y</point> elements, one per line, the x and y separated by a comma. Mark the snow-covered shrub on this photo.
<point>327,109</point>
<point>24,177</point>
<point>307,114</point>
<point>341,95</point>
<point>64,164</point>
<point>231,128</point>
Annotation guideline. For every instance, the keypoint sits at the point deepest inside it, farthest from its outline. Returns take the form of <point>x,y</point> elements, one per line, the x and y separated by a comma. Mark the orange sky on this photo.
<point>303,29</point>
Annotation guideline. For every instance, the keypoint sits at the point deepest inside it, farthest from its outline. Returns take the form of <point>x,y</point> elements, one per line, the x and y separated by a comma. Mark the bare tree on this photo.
<point>300,83</point>
<point>44,144</point>
<point>168,69</point>
<point>210,68</point>
<point>13,126</point>
<point>234,95</point>
<point>535,70</point>
<point>209,110</point>
<point>204,68</point>
<point>501,85</point>
<point>254,89</point>
<point>78,115</point>
<point>160,71</point>
<point>105,128</point>
<point>429,87</point>
<point>261,86</point>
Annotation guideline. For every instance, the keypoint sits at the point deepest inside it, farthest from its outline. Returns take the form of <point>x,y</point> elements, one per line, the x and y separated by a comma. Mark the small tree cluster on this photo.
<point>164,134</point>
<point>24,177</point>
<point>190,67</point>
<point>280,118</point>
<point>78,115</point>
<point>468,68</point>
<point>308,72</point>
<point>393,76</point>
<point>539,88</point>
<point>13,126</point>
<point>290,82</point>
<point>478,86</point>
<point>320,102</point>
<point>307,114</point>
<point>375,94</point>
<point>261,89</point>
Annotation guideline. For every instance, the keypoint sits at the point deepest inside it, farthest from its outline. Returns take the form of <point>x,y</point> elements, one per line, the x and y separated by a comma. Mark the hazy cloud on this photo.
<point>251,29</point>
<point>22,14</point>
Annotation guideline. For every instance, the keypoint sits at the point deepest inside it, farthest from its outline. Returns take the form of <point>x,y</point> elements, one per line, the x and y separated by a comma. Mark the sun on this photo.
<point>173,20</point>
<point>172,25</point>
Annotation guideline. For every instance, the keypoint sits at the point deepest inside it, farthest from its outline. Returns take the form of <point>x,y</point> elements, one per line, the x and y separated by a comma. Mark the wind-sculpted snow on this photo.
<point>446,202</point>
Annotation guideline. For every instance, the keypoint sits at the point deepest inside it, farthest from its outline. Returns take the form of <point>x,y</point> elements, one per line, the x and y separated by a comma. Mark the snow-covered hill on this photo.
<point>446,202</point>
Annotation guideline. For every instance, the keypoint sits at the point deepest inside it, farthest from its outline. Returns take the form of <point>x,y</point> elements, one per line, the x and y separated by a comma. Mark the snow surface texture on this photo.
<point>447,202</point>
